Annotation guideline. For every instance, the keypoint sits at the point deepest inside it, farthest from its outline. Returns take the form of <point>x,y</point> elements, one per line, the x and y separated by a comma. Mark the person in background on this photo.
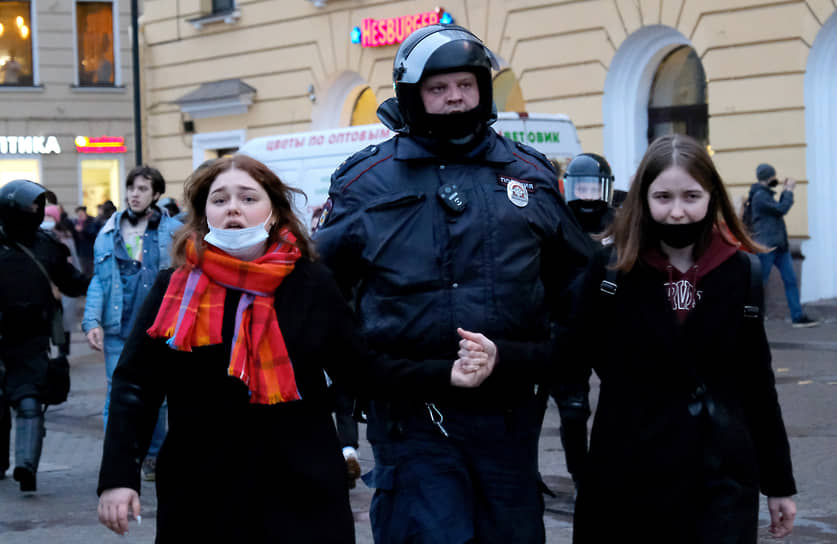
<point>27,306</point>
<point>588,189</point>
<point>252,455</point>
<point>132,247</point>
<point>688,422</point>
<point>443,230</point>
<point>53,224</point>
<point>769,230</point>
<point>86,230</point>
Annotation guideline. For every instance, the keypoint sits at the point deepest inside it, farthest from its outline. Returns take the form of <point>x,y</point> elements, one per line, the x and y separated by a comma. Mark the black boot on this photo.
<point>29,437</point>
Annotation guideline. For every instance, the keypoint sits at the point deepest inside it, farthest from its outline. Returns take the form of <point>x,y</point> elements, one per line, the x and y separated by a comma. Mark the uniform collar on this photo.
<point>490,149</point>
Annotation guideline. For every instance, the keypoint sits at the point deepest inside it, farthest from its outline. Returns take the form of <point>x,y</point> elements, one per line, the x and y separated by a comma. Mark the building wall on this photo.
<point>58,109</point>
<point>754,53</point>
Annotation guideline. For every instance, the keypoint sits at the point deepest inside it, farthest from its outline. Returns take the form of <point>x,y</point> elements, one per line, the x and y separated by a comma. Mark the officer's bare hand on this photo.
<point>95,338</point>
<point>790,183</point>
<point>782,513</point>
<point>477,357</point>
<point>114,505</point>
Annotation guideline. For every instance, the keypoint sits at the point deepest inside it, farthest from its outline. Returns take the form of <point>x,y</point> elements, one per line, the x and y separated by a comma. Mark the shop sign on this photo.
<point>532,136</point>
<point>377,32</point>
<point>103,144</point>
<point>29,145</point>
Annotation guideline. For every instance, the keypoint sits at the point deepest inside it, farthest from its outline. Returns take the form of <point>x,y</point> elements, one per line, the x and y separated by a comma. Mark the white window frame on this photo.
<point>117,60</point>
<point>210,141</point>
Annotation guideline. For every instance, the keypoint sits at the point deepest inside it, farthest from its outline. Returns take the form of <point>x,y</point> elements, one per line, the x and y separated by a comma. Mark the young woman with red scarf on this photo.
<point>688,427</point>
<point>237,338</point>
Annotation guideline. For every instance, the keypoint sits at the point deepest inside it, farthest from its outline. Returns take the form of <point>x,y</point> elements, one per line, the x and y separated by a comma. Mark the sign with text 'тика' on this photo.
<point>378,32</point>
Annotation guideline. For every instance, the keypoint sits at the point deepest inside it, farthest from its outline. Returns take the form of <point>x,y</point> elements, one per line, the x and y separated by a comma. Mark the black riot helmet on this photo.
<point>440,49</point>
<point>588,177</point>
<point>22,204</point>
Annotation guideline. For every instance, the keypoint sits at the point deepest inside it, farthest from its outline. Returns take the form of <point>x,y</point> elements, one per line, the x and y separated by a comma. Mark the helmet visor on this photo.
<point>588,188</point>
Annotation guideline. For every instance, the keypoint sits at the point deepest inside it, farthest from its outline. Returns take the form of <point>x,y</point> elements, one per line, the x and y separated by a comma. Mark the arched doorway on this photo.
<point>348,101</point>
<point>627,95</point>
<point>818,276</point>
<point>508,96</point>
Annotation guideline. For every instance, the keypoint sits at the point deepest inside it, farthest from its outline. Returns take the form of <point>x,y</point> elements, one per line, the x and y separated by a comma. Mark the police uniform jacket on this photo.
<point>421,270</point>
<point>27,304</point>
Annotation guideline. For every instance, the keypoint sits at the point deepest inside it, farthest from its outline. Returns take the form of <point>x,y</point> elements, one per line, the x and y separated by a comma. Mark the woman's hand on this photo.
<point>114,505</point>
<point>782,513</point>
<point>477,357</point>
<point>95,338</point>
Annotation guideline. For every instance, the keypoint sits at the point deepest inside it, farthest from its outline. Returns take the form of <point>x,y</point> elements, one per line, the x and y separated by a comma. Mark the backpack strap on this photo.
<point>755,296</point>
<point>609,285</point>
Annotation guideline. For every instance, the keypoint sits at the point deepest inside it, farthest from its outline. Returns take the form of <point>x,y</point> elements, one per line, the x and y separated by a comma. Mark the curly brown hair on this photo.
<point>630,229</point>
<point>196,192</point>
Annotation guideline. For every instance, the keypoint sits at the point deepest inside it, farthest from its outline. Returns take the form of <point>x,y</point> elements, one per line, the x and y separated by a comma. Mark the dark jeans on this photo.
<point>479,484</point>
<point>783,261</point>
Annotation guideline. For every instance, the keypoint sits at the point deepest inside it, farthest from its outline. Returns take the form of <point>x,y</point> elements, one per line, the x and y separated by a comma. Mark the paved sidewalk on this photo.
<point>64,508</point>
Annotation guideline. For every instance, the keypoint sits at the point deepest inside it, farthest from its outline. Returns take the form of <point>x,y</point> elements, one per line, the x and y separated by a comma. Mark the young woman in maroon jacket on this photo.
<point>688,427</point>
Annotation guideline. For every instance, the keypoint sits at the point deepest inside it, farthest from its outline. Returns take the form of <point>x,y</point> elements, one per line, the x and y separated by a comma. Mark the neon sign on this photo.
<point>104,144</point>
<point>378,32</point>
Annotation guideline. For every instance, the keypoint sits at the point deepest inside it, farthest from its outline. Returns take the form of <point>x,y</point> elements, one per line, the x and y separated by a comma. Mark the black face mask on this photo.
<point>589,213</point>
<point>454,126</point>
<point>680,235</point>
<point>773,183</point>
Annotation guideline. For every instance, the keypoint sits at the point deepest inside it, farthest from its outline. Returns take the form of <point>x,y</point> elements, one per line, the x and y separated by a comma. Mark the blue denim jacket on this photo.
<point>105,298</point>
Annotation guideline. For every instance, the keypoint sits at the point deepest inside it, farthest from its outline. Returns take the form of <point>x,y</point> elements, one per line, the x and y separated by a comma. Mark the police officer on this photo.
<point>27,304</point>
<point>588,189</point>
<point>457,247</point>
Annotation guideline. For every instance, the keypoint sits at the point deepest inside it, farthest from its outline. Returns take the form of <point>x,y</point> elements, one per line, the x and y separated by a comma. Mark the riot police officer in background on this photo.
<point>27,305</point>
<point>588,189</point>
<point>458,248</point>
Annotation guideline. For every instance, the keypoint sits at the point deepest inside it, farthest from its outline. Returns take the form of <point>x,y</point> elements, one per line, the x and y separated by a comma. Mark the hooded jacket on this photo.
<point>768,222</point>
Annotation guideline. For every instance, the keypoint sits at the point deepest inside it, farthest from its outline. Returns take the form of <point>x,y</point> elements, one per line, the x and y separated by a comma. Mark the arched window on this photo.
<point>677,103</point>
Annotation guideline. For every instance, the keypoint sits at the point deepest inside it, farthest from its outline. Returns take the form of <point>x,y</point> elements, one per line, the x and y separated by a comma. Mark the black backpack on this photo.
<point>747,214</point>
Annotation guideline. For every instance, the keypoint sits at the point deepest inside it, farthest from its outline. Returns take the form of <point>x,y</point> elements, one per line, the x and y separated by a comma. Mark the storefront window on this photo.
<point>365,109</point>
<point>678,97</point>
<point>99,182</point>
<point>94,28</point>
<point>12,169</point>
<point>16,44</point>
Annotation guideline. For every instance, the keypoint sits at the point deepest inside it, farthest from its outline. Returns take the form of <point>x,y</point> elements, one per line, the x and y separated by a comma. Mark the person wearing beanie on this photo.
<point>768,229</point>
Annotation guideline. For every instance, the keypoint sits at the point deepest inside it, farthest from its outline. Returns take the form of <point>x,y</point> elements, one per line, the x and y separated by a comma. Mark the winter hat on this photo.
<point>764,172</point>
<point>53,211</point>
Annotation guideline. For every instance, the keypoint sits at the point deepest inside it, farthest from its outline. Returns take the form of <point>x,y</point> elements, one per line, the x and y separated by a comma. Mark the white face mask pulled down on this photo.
<point>245,244</point>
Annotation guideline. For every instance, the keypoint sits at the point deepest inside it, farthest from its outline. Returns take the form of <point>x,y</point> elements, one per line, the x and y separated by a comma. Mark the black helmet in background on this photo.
<point>588,177</point>
<point>442,49</point>
<point>22,204</point>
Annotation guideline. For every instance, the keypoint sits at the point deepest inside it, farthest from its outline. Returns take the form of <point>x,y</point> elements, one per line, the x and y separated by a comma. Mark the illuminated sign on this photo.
<point>103,144</point>
<point>28,145</point>
<point>377,32</point>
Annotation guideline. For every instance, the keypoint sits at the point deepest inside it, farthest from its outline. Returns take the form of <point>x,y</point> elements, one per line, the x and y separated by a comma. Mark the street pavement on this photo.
<point>63,510</point>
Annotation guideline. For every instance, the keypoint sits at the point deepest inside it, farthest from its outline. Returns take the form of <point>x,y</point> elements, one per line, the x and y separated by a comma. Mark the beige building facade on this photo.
<point>755,80</point>
<point>66,103</point>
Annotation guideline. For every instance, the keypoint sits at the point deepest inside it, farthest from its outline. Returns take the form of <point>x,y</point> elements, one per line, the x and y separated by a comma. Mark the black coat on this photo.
<point>231,471</point>
<point>27,305</point>
<point>653,466</point>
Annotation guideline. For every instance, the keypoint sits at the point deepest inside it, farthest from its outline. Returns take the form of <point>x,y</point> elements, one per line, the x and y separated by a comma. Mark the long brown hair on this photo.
<point>196,192</point>
<point>630,229</point>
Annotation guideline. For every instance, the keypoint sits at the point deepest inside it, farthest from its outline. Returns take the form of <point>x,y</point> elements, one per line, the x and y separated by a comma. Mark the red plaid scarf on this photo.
<point>192,311</point>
